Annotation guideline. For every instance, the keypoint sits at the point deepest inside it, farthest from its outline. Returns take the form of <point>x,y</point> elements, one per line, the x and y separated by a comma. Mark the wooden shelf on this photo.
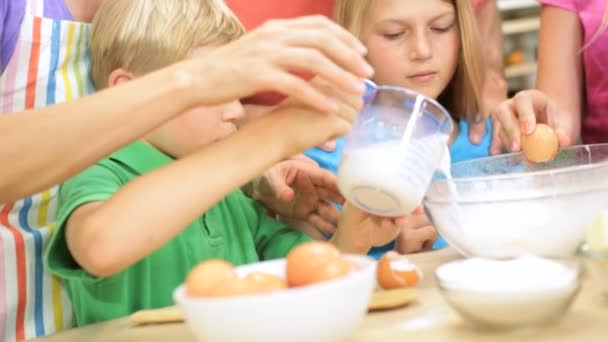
<point>510,5</point>
<point>515,26</point>
<point>520,70</point>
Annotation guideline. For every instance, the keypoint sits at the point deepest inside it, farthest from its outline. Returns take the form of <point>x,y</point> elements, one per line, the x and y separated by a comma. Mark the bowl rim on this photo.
<point>560,170</point>
<point>365,262</point>
<point>436,199</point>
<point>409,91</point>
<point>572,264</point>
<point>585,252</point>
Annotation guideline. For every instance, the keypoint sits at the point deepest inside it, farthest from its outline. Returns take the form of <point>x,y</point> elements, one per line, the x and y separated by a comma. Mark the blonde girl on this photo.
<point>430,46</point>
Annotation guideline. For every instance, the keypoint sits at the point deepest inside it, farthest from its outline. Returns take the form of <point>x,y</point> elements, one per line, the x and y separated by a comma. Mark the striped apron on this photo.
<point>50,65</point>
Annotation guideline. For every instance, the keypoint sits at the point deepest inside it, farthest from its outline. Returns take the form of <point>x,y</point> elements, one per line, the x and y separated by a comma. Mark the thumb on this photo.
<point>279,187</point>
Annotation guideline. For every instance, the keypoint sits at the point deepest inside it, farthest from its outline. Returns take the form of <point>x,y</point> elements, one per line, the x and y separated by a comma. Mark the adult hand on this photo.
<point>262,60</point>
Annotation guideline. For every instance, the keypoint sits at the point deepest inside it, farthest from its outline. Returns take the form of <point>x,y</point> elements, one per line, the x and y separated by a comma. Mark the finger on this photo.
<point>526,106</point>
<point>553,119</point>
<point>428,245</point>
<point>563,138</point>
<point>476,131</point>
<point>332,27</point>
<point>293,86</point>
<point>349,111</point>
<point>421,236</point>
<point>330,195</point>
<point>497,145</point>
<point>418,211</point>
<point>328,146</point>
<point>328,213</point>
<point>348,105</point>
<point>314,61</point>
<point>505,113</point>
<point>324,180</point>
<point>402,221</point>
<point>321,224</point>
<point>303,158</point>
<point>334,48</point>
<point>276,185</point>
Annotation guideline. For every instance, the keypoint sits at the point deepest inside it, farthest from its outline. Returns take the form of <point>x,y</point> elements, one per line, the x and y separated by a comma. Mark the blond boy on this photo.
<point>132,226</point>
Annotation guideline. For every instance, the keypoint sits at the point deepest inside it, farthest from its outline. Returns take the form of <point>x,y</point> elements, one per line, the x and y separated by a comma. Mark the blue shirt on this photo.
<point>460,150</point>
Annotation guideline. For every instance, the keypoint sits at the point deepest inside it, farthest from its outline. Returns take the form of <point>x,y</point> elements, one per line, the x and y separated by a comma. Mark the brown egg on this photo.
<point>206,276</point>
<point>303,261</point>
<point>330,270</point>
<point>266,282</point>
<point>235,287</point>
<point>391,278</point>
<point>540,146</point>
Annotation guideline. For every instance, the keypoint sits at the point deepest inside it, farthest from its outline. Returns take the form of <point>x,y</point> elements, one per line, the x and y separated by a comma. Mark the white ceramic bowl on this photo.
<point>328,311</point>
<point>596,265</point>
<point>508,304</point>
<point>502,207</point>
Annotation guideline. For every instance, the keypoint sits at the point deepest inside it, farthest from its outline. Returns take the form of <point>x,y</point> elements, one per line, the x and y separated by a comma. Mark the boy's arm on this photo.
<point>105,238</point>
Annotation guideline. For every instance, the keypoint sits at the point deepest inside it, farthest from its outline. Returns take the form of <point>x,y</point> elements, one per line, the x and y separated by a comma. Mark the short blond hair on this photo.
<point>462,96</point>
<point>145,35</point>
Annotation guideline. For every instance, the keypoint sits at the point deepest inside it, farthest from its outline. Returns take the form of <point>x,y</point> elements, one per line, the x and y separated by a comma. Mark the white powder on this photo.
<point>390,178</point>
<point>524,274</point>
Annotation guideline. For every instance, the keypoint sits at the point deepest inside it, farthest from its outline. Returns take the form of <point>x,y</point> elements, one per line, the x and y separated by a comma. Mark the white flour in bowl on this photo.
<point>523,274</point>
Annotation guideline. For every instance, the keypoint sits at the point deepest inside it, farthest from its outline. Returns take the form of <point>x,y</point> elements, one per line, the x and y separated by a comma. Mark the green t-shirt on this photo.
<point>235,229</point>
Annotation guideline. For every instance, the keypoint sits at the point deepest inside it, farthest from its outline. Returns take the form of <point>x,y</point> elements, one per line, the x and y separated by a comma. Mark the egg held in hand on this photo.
<point>540,146</point>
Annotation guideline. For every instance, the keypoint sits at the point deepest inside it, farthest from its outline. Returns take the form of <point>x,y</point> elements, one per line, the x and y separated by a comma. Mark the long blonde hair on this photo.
<point>145,35</point>
<point>462,95</point>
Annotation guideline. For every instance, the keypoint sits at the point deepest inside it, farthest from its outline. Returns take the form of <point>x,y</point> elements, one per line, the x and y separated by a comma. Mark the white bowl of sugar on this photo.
<point>509,293</point>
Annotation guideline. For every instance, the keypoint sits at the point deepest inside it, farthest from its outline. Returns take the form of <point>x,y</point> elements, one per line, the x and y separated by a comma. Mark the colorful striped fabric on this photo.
<point>50,65</point>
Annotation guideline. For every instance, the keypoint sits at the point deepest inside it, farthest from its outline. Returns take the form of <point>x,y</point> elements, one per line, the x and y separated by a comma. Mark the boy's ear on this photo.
<point>118,76</point>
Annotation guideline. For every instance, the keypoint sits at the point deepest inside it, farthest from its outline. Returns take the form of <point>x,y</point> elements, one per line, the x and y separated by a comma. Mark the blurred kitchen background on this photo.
<point>520,29</point>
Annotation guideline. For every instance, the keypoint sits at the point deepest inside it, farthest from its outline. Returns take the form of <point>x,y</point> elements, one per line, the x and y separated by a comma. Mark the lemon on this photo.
<point>597,233</point>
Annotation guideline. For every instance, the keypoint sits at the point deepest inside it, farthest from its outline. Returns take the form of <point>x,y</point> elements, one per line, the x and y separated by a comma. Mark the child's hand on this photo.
<point>358,231</point>
<point>520,115</point>
<point>299,189</point>
<point>418,235</point>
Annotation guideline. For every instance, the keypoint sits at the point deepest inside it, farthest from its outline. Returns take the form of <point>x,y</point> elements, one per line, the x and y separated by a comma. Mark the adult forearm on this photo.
<point>43,147</point>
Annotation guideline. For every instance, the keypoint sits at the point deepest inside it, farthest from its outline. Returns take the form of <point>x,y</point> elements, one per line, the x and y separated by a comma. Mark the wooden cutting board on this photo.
<point>381,300</point>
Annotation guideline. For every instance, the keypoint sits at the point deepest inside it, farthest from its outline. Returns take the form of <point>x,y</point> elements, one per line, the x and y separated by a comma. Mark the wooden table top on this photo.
<point>429,318</point>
